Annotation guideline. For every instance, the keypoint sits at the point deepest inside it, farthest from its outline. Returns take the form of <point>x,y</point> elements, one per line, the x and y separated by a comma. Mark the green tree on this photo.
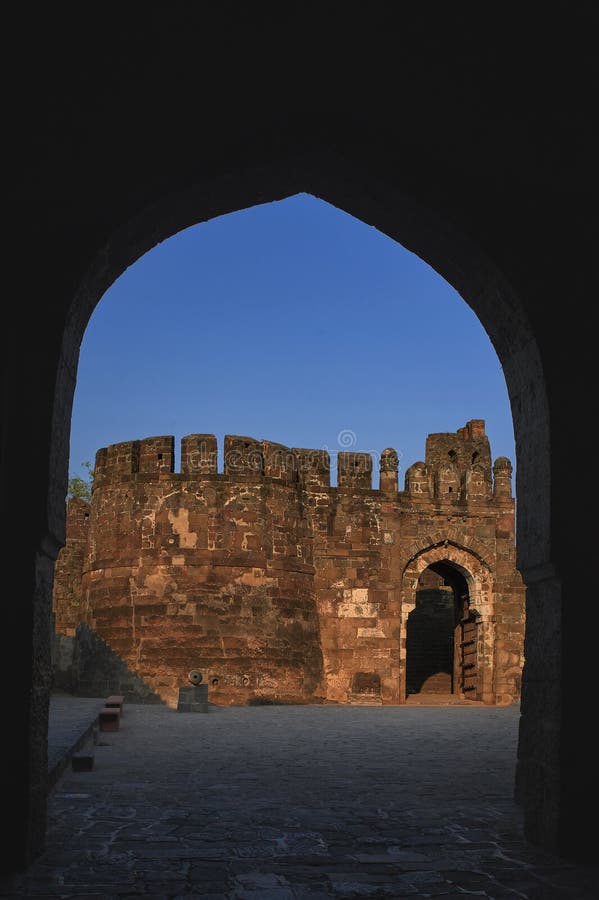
<point>81,487</point>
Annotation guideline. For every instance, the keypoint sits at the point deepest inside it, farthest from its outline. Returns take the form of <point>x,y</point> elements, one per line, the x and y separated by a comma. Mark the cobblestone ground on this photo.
<point>298,803</point>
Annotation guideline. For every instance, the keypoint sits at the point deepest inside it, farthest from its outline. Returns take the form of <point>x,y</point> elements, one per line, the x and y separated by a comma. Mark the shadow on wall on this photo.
<point>85,666</point>
<point>430,640</point>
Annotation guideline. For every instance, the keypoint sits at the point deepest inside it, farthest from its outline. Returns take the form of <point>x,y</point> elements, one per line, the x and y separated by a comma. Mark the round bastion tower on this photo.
<point>201,570</point>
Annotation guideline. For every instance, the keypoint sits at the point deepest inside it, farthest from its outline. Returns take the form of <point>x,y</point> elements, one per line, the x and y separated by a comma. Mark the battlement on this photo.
<point>314,467</point>
<point>457,464</point>
<point>243,456</point>
<point>153,454</point>
<point>199,454</point>
<point>354,470</point>
<point>248,456</point>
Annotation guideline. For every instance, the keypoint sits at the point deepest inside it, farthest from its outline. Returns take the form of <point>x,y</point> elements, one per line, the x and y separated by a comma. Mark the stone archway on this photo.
<point>476,574</point>
<point>441,664</point>
<point>332,179</point>
<point>110,162</point>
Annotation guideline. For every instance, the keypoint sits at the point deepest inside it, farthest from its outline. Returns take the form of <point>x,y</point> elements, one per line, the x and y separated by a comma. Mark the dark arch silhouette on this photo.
<point>472,146</point>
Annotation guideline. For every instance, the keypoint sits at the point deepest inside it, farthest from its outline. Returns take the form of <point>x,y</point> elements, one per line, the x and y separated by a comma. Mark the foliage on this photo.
<point>81,487</point>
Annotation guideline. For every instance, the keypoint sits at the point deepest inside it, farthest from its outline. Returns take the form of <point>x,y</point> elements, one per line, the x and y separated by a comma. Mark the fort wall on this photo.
<point>279,587</point>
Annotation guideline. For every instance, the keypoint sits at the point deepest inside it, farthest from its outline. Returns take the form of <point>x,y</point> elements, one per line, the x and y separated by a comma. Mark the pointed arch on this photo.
<point>477,573</point>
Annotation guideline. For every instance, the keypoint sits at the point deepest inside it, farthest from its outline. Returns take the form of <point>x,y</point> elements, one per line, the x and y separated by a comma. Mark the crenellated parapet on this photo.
<point>243,456</point>
<point>153,455</point>
<point>116,461</point>
<point>457,465</point>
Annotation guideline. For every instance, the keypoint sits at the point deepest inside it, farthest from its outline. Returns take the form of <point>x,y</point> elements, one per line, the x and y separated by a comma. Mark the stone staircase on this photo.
<point>365,700</point>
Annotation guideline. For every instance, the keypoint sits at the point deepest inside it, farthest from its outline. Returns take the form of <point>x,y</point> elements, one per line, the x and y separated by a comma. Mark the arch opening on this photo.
<point>476,170</point>
<point>441,657</point>
<point>182,511</point>
<point>456,259</point>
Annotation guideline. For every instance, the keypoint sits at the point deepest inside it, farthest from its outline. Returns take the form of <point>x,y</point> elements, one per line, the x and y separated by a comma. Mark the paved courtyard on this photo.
<point>298,803</point>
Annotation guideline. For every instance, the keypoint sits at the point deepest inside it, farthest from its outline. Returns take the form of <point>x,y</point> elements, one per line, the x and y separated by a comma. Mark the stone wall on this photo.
<point>279,587</point>
<point>68,570</point>
<point>84,664</point>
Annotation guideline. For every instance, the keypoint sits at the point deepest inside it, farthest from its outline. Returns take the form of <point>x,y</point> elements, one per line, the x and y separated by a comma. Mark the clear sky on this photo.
<point>291,322</point>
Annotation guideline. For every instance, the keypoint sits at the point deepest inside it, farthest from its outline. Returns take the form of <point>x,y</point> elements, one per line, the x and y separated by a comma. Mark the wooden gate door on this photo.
<point>469,656</point>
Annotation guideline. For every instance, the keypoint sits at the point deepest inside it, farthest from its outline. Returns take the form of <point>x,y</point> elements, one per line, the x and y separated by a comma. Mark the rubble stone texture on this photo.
<point>281,588</point>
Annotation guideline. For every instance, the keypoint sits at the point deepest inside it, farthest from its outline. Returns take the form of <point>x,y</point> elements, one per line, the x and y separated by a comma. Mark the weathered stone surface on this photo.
<point>281,588</point>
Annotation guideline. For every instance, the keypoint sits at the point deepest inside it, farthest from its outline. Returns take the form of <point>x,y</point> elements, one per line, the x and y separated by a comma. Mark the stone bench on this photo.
<point>82,761</point>
<point>109,718</point>
<point>116,700</point>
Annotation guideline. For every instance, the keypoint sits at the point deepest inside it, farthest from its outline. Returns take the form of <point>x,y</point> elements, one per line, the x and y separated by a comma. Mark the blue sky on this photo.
<point>291,322</point>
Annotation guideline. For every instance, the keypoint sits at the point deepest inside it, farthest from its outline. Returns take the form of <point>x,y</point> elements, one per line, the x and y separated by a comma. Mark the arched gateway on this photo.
<point>450,626</point>
<point>282,588</point>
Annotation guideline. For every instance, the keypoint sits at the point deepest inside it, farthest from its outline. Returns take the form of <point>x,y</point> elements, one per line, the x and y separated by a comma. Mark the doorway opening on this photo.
<point>444,655</point>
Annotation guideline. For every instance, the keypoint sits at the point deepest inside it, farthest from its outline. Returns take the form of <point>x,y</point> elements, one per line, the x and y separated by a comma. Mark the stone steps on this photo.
<point>365,700</point>
<point>429,698</point>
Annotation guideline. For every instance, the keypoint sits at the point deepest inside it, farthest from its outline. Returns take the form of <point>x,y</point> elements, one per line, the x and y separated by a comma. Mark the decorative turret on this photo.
<point>460,462</point>
<point>478,486</point>
<point>388,468</point>
<point>502,477</point>
<point>417,480</point>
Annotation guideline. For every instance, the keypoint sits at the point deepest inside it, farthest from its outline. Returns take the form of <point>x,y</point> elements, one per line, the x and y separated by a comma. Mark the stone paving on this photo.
<point>297,803</point>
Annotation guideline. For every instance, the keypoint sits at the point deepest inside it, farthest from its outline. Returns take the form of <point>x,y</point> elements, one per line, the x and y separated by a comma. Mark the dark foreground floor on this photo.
<point>298,803</point>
